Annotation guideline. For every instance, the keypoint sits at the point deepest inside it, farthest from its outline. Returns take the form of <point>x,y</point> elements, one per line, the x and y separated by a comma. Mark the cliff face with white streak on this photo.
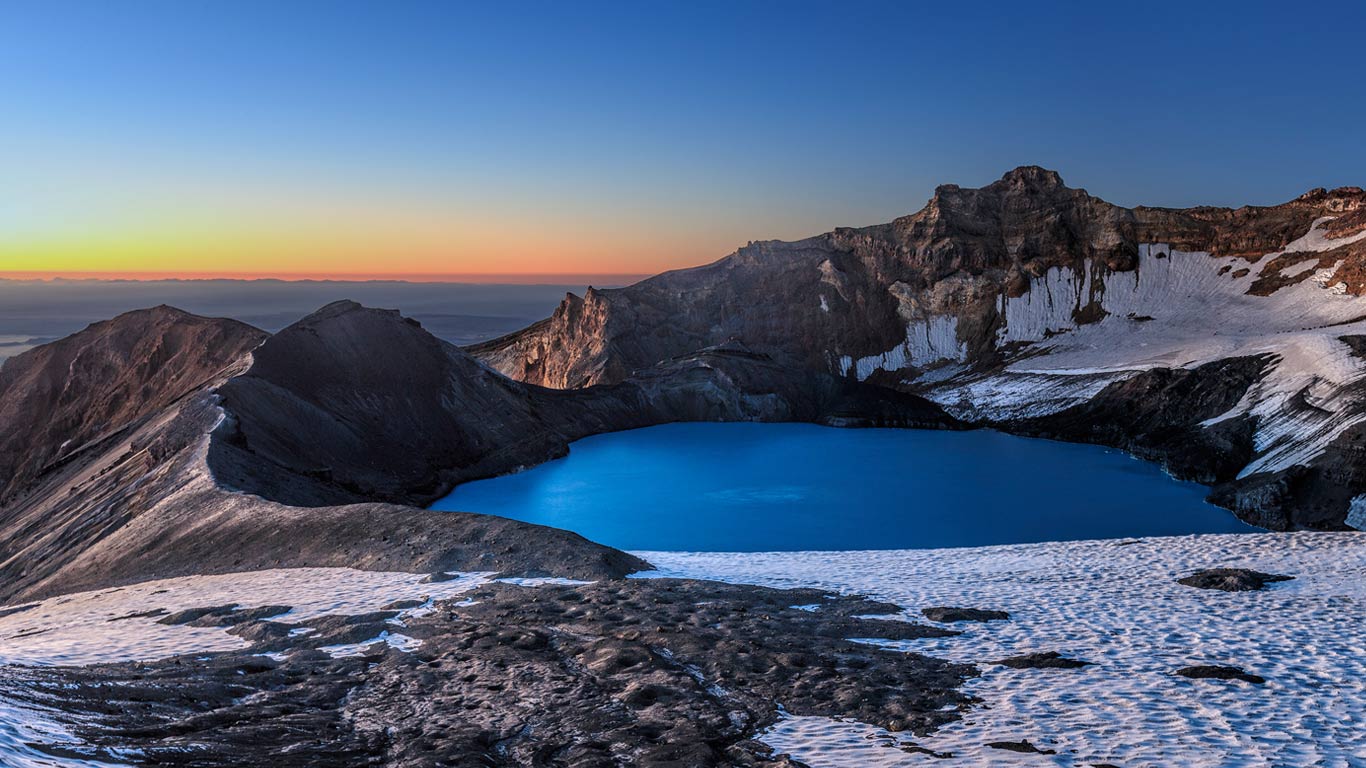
<point>1026,300</point>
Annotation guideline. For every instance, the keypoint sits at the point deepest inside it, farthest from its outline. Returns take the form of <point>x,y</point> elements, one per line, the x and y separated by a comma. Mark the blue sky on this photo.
<point>617,137</point>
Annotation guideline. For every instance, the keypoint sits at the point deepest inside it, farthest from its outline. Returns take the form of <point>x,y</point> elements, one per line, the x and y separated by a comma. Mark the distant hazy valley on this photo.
<point>34,312</point>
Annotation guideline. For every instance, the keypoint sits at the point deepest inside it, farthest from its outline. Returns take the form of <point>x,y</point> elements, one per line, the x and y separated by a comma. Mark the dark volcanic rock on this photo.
<point>1213,672</point>
<point>1157,415</point>
<point>1231,579</point>
<point>635,672</point>
<point>222,615</point>
<point>17,609</point>
<point>1044,660</point>
<point>947,614</point>
<point>194,614</point>
<point>1023,746</point>
<point>1317,496</point>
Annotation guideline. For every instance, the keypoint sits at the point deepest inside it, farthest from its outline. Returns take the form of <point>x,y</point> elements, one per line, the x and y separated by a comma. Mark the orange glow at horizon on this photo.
<point>590,278</point>
<point>308,253</point>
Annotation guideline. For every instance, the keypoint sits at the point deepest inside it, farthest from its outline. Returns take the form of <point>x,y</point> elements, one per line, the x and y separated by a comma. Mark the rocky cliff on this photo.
<point>1018,304</point>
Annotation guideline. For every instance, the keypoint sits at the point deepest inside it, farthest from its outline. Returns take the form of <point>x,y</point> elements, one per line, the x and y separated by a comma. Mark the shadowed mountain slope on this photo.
<point>60,398</point>
<point>355,404</point>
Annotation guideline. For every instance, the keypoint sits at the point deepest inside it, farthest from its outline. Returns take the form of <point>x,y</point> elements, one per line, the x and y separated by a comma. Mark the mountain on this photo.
<point>162,444</point>
<point>1229,339</point>
<point>69,396</point>
<point>1227,345</point>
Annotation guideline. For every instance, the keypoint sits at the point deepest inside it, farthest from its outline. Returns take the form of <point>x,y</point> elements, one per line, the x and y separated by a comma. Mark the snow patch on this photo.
<point>393,640</point>
<point>22,726</point>
<point>1356,513</point>
<point>104,626</point>
<point>1182,309</point>
<point>927,341</point>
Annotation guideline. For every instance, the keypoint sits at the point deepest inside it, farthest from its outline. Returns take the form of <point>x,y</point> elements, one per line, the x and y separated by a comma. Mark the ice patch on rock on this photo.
<point>23,726</point>
<point>102,626</point>
<point>391,639</point>
<point>927,342</point>
<point>1356,513</point>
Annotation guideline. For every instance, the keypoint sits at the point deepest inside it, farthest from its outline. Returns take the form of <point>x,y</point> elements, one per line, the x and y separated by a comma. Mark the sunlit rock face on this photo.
<point>1027,300</point>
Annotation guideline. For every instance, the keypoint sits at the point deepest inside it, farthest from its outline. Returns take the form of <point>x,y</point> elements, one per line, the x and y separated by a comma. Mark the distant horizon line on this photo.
<point>488,278</point>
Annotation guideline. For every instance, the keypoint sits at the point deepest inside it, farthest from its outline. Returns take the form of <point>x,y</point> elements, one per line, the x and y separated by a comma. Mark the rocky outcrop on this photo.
<point>1038,308</point>
<point>1231,579</point>
<point>1024,746</point>
<point>1161,415</point>
<point>852,292</point>
<point>1219,672</point>
<point>948,614</point>
<point>1042,660</point>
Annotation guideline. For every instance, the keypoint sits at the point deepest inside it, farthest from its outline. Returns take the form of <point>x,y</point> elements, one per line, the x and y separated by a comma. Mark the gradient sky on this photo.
<point>447,138</point>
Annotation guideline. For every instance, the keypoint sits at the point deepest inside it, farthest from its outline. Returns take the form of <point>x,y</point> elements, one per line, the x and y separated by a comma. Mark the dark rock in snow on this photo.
<point>1023,745</point>
<point>1231,579</point>
<point>1044,660</point>
<point>947,615</point>
<point>17,609</point>
<point>222,615</point>
<point>1215,672</point>
<point>194,614</point>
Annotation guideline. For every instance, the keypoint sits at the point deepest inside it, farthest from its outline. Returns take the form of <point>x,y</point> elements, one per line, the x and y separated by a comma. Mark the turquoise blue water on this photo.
<point>756,487</point>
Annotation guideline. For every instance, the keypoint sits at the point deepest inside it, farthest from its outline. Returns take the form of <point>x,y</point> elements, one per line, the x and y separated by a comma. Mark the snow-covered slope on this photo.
<point>1181,309</point>
<point>1113,604</point>
<point>1116,605</point>
<point>123,624</point>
